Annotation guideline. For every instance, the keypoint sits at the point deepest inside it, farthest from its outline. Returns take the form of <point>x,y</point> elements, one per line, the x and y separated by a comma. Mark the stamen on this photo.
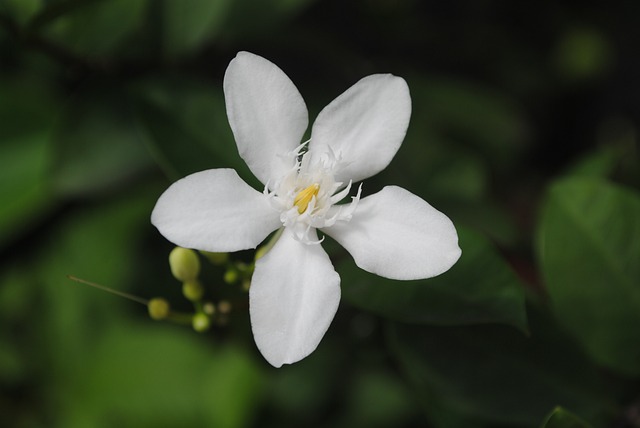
<point>304,197</point>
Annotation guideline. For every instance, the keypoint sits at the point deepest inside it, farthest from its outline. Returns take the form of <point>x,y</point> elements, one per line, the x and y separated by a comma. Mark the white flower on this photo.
<point>295,291</point>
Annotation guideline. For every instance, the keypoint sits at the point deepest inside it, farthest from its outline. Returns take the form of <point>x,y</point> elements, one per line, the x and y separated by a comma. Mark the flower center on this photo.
<point>303,198</point>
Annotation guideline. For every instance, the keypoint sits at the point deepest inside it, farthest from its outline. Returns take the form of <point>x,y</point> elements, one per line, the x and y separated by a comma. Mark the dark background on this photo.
<point>524,132</point>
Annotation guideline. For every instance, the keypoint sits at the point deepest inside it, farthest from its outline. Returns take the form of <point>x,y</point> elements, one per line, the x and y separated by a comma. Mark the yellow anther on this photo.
<point>304,197</point>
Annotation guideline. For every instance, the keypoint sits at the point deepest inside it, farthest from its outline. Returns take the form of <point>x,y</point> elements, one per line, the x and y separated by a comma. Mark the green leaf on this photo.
<point>187,129</point>
<point>471,114</point>
<point>562,418</point>
<point>598,164</point>
<point>466,375</point>
<point>100,245</point>
<point>589,248</point>
<point>98,144</point>
<point>479,288</point>
<point>135,371</point>
<point>26,114</point>
<point>437,163</point>
<point>583,54</point>
<point>188,24</point>
<point>21,10</point>
<point>378,399</point>
<point>97,28</point>
<point>24,187</point>
<point>248,18</point>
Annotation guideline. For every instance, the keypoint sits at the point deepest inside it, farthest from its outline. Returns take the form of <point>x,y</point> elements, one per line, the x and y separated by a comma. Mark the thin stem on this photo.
<point>110,290</point>
<point>180,318</point>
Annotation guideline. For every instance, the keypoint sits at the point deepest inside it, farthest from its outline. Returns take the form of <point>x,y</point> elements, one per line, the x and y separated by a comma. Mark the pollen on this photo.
<point>304,197</point>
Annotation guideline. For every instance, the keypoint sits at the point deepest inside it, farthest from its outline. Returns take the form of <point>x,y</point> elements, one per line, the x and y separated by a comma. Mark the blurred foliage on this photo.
<point>524,132</point>
<point>563,418</point>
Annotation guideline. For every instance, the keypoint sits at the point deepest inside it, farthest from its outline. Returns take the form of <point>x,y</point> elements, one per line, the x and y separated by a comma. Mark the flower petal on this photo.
<point>214,210</point>
<point>365,125</point>
<point>266,112</point>
<point>293,297</point>
<point>396,234</point>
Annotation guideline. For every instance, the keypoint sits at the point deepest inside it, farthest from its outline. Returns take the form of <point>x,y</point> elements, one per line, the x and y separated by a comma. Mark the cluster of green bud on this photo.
<point>185,267</point>
<point>239,272</point>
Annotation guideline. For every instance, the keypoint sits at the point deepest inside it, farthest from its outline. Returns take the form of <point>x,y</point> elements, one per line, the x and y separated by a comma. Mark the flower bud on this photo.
<point>209,308</point>
<point>230,276</point>
<point>192,290</point>
<point>260,252</point>
<point>158,308</point>
<point>184,263</point>
<point>200,322</point>
<point>242,267</point>
<point>216,258</point>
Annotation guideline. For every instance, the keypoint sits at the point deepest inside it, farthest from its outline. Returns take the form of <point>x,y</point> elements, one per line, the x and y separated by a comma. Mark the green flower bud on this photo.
<point>209,308</point>
<point>201,322</point>
<point>230,276</point>
<point>242,267</point>
<point>192,290</point>
<point>158,308</point>
<point>260,252</point>
<point>216,258</point>
<point>184,263</point>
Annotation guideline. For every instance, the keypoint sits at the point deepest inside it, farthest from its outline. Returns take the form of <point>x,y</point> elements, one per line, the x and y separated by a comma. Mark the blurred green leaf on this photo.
<point>467,375</point>
<point>582,54</point>
<point>96,28</point>
<point>443,170</point>
<point>479,288</point>
<point>454,178</point>
<point>598,164</point>
<point>589,248</point>
<point>12,364</point>
<point>187,128</point>
<point>24,185</point>
<point>101,245</point>
<point>26,113</point>
<point>98,144</point>
<point>378,399</point>
<point>138,374</point>
<point>474,115</point>
<point>562,418</point>
<point>308,378</point>
<point>233,387</point>
<point>16,297</point>
<point>189,23</point>
<point>21,10</point>
<point>248,18</point>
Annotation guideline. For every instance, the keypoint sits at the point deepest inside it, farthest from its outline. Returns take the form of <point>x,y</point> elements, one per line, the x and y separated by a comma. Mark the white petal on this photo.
<point>293,297</point>
<point>214,210</point>
<point>266,113</point>
<point>396,234</point>
<point>365,125</point>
